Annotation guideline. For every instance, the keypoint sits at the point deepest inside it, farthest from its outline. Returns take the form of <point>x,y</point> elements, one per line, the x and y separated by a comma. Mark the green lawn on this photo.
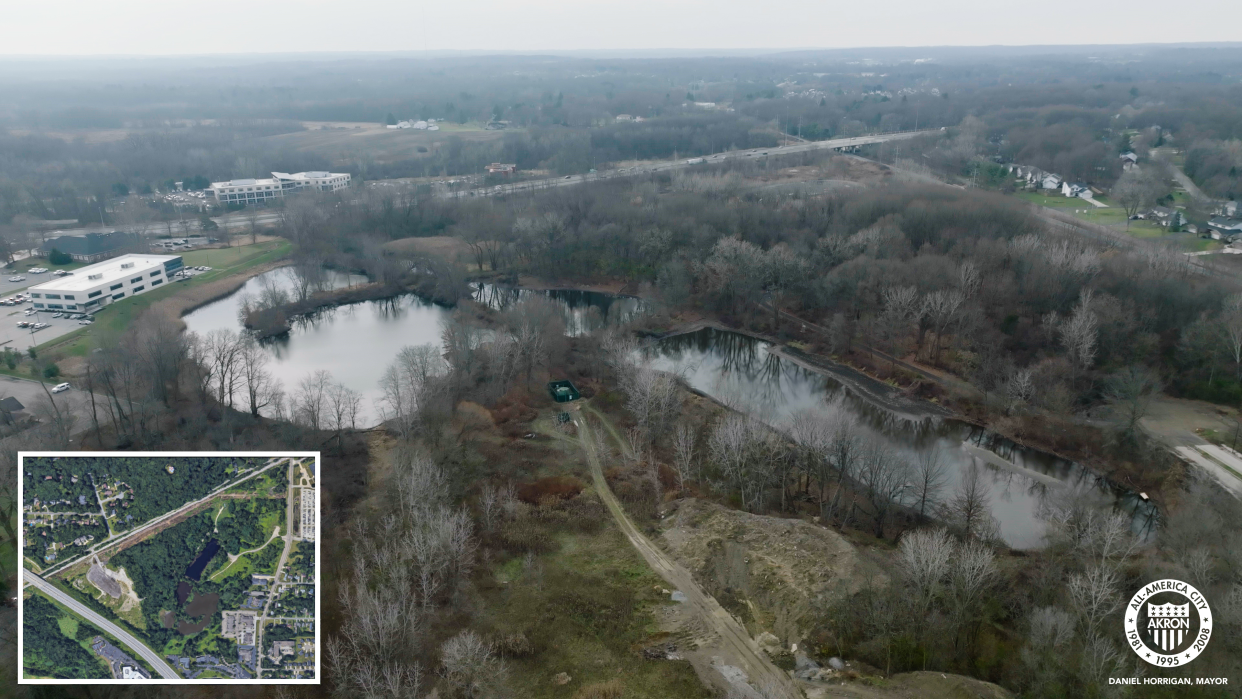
<point>112,320</point>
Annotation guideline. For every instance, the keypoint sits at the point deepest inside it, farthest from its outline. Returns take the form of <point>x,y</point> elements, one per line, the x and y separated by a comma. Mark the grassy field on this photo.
<point>586,608</point>
<point>1114,217</point>
<point>112,320</point>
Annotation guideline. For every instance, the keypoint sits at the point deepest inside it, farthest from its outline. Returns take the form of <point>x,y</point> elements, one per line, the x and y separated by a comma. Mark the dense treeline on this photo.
<point>1066,113</point>
<point>238,528</point>
<point>48,652</point>
<point>157,565</point>
<point>155,490</point>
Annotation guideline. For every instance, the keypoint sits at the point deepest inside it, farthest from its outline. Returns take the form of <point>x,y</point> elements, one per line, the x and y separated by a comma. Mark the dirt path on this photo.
<point>736,645</point>
<point>233,558</point>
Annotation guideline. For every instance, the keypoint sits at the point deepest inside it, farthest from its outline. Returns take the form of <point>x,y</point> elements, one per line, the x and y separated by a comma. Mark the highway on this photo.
<point>670,165</point>
<point>153,659</point>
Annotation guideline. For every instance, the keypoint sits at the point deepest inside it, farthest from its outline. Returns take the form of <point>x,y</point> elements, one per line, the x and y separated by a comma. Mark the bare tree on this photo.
<point>261,388</point>
<point>470,666</point>
<point>684,440</point>
<point>1130,391</point>
<point>1231,329</point>
<point>1136,189</point>
<point>942,309</point>
<point>408,385</point>
<point>930,477</point>
<point>310,400</point>
<point>342,407</point>
<point>1079,334</point>
<point>969,510</point>
<point>924,556</point>
<point>489,505</point>
<point>1020,389</point>
<point>884,476</point>
<point>1094,595</point>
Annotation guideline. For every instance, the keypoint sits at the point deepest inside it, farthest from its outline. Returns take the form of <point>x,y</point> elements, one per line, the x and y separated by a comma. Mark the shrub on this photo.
<point>57,257</point>
<point>51,371</point>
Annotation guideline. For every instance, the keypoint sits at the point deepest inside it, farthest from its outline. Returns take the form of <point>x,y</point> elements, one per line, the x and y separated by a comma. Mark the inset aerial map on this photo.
<point>169,567</point>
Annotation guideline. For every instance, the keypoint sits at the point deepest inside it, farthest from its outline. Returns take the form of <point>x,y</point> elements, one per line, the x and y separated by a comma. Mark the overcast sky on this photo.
<point>248,26</point>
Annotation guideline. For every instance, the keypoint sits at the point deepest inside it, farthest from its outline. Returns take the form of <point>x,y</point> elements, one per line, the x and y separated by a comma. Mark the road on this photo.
<point>736,643</point>
<point>670,165</point>
<point>109,543</point>
<point>32,395</point>
<point>234,221</point>
<point>277,585</point>
<point>153,659</point>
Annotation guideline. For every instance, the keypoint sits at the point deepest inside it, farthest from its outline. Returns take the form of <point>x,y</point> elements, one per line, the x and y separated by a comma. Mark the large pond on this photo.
<point>355,342</point>
<point>358,341</point>
<point>741,372</point>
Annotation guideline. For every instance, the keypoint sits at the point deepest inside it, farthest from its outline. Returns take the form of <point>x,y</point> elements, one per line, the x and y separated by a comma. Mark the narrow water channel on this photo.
<point>742,373</point>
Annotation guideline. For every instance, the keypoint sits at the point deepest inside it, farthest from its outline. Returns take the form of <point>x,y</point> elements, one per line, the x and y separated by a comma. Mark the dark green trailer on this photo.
<point>563,391</point>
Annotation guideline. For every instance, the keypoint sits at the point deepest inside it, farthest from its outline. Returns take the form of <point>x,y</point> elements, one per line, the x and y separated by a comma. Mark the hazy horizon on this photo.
<point>133,28</point>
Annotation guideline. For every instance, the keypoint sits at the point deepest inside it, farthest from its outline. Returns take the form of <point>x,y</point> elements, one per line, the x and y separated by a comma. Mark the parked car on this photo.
<point>85,322</point>
<point>31,311</point>
<point>60,388</point>
<point>40,326</point>
<point>17,278</point>
<point>58,315</point>
<point>23,323</point>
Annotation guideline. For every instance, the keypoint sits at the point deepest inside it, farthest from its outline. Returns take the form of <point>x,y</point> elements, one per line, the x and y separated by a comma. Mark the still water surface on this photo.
<point>358,341</point>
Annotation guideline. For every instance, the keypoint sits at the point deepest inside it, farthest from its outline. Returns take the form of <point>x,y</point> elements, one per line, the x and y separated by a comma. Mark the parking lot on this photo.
<point>22,338</point>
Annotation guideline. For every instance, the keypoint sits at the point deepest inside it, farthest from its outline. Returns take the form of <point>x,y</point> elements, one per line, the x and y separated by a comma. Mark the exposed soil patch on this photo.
<point>98,576</point>
<point>774,570</point>
<point>558,487</point>
<point>167,619</point>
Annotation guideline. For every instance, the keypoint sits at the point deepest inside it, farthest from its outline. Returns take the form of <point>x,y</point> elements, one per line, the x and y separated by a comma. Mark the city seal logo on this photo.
<point>1168,623</point>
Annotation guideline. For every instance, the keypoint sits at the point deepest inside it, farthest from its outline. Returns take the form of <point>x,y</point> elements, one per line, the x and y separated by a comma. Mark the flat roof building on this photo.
<point>252,191</point>
<point>90,247</point>
<point>94,286</point>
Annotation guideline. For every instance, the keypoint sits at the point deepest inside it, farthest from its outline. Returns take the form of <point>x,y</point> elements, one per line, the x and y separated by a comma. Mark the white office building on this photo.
<point>252,191</point>
<point>92,287</point>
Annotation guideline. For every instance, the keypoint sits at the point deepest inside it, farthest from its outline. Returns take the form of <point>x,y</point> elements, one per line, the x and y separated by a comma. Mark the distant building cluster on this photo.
<point>257,191</point>
<point>420,125</point>
<point>308,514</point>
<point>123,666</point>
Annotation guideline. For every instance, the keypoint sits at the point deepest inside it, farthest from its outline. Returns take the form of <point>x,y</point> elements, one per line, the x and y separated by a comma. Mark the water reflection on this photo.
<point>356,342</point>
<point>583,311</point>
<point>741,372</point>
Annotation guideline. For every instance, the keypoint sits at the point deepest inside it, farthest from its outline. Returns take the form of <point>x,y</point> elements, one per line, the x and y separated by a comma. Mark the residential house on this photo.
<point>1076,189</point>
<point>1050,181</point>
<point>1225,228</point>
<point>11,410</point>
<point>1128,160</point>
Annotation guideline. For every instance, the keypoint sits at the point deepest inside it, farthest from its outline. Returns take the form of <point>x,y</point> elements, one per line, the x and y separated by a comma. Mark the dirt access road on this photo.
<point>736,647</point>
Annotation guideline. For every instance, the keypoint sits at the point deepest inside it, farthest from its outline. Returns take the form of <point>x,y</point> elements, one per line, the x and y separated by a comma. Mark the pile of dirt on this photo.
<point>774,571</point>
